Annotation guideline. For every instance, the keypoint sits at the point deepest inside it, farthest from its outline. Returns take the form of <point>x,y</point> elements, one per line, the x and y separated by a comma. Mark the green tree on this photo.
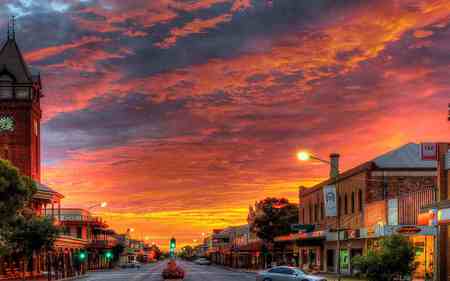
<point>32,236</point>
<point>117,250</point>
<point>392,260</point>
<point>272,217</point>
<point>16,192</point>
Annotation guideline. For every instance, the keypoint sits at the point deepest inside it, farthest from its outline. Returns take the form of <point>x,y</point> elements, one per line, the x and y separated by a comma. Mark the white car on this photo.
<point>202,261</point>
<point>285,273</point>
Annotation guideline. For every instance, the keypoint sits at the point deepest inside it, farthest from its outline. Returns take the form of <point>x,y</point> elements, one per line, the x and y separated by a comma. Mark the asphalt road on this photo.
<point>153,273</point>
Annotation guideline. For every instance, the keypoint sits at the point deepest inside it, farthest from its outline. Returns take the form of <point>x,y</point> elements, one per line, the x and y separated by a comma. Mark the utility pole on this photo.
<point>334,174</point>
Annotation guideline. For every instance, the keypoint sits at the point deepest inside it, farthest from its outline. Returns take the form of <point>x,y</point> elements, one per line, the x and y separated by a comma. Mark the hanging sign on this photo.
<point>329,193</point>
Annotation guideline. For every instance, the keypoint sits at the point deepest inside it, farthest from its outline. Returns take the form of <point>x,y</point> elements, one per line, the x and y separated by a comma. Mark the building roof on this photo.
<point>45,192</point>
<point>407,156</point>
<point>12,62</point>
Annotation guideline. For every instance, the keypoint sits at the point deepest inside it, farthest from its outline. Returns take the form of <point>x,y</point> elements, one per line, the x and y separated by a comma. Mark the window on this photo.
<point>345,204</point>
<point>22,93</point>
<point>303,215</point>
<point>79,232</point>
<point>310,213</point>
<point>339,206</point>
<point>316,212</point>
<point>360,200</point>
<point>353,202</point>
<point>322,211</point>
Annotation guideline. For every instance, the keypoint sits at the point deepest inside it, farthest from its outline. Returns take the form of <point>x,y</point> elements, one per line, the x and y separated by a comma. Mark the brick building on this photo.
<point>377,198</point>
<point>20,143</point>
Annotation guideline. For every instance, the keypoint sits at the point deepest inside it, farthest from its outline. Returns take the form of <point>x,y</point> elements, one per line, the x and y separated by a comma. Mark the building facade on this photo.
<point>376,199</point>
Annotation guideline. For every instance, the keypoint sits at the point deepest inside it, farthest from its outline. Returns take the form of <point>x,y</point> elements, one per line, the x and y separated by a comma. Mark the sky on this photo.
<point>182,113</point>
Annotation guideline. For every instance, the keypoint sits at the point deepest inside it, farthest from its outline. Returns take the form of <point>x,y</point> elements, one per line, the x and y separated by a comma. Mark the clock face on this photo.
<point>6,124</point>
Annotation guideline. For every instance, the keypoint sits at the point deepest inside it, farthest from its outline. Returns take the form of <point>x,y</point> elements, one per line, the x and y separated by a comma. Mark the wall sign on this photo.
<point>428,151</point>
<point>393,211</point>
<point>329,193</point>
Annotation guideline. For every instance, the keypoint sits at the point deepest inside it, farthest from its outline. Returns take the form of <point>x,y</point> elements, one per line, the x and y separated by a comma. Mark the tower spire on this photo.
<point>12,28</point>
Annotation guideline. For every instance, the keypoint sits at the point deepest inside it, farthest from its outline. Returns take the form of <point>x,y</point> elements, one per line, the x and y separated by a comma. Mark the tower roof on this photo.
<point>12,62</point>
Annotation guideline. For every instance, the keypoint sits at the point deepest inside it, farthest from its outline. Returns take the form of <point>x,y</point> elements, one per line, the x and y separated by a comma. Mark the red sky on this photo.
<point>182,113</point>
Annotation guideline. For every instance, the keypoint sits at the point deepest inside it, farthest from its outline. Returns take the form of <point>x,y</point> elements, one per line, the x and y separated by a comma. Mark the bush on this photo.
<point>393,260</point>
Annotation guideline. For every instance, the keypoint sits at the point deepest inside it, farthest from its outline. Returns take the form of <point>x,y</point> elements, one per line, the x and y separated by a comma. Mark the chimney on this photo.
<point>334,165</point>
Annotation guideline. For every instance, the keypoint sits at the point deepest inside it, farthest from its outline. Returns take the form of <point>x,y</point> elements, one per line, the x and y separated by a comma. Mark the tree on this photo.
<point>32,236</point>
<point>16,192</point>
<point>117,250</point>
<point>272,217</point>
<point>394,259</point>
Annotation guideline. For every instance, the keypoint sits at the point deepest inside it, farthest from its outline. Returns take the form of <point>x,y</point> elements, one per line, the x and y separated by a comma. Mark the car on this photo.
<point>286,273</point>
<point>131,264</point>
<point>202,261</point>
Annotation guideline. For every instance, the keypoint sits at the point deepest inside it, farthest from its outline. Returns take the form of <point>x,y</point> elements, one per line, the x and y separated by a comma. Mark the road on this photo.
<point>153,273</point>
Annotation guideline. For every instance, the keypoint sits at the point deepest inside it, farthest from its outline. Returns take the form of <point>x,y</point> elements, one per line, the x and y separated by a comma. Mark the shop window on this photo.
<point>360,200</point>
<point>353,202</point>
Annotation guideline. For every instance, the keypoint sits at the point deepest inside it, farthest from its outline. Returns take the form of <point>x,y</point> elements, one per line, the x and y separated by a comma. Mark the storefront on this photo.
<point>423,239</point>
<point>351,245</point>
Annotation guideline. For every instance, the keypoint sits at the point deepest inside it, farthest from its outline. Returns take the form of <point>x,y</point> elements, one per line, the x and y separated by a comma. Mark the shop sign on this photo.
<point>353,233</point>
<point>408,230</point>
<point>429,218</point>
<point>329,193</point>
<point>428,151</point>
<point>444,216</point>
<point>345,259</point>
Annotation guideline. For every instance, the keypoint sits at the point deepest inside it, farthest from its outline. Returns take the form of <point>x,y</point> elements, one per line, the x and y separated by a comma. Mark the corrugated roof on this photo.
<point>407,156</point>
<point>12,61</point>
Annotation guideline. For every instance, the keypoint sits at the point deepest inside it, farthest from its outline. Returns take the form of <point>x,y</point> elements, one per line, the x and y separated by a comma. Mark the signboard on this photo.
<point>428,151</point>
<point>303,227</point>
<point>444,216</point>
<point>345,259</point>
<point>409,230</point>
<point>329,193</point>
<point>428,218</point>
<point>393,211</point>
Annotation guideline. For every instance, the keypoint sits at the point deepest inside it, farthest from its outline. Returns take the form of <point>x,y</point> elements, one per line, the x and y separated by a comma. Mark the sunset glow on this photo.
<point>175,116</point>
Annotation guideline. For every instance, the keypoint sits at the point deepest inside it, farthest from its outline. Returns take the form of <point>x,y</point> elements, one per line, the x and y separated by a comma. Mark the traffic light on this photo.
<point>172,247</point>
<point>82,256</point>
<point>109,255</point>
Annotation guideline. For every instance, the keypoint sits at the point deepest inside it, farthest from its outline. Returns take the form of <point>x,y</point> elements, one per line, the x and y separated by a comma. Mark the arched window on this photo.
<point>339,207</point>
<point>316,213</point>
<point>353,202</point>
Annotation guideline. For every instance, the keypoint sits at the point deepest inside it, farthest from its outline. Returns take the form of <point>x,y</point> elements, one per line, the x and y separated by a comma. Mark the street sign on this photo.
<point>409,229</point>
<point>305,227</point>
<point>329,193</point>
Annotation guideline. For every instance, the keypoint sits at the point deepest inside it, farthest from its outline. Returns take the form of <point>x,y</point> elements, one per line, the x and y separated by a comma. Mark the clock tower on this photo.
<point>20,110</point>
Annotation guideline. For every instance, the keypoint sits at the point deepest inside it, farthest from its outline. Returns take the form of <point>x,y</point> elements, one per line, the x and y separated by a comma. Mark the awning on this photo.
<point>301,236</point>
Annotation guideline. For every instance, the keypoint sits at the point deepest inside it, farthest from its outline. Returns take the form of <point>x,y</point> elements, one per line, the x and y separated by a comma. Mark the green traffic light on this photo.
<point>82,256</point>
<point>108,255</point>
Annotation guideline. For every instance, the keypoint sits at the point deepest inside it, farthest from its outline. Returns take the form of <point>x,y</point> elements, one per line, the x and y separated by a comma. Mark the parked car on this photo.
<point>132,264</point>
<point>202,261</point>
<point>286,273</point>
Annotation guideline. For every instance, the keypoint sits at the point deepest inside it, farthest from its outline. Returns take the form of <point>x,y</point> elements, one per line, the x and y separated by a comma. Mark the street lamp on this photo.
<point>334,173</point>
<point>101,205</point>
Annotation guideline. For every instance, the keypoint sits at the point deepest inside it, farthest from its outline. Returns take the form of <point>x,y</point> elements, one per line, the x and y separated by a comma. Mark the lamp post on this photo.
<point>101,205</point>
<point>334,173</point>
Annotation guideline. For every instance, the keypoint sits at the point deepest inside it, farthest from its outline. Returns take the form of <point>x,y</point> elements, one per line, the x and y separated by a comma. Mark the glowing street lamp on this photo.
<point>303,155</point>
<point>101,205</point>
